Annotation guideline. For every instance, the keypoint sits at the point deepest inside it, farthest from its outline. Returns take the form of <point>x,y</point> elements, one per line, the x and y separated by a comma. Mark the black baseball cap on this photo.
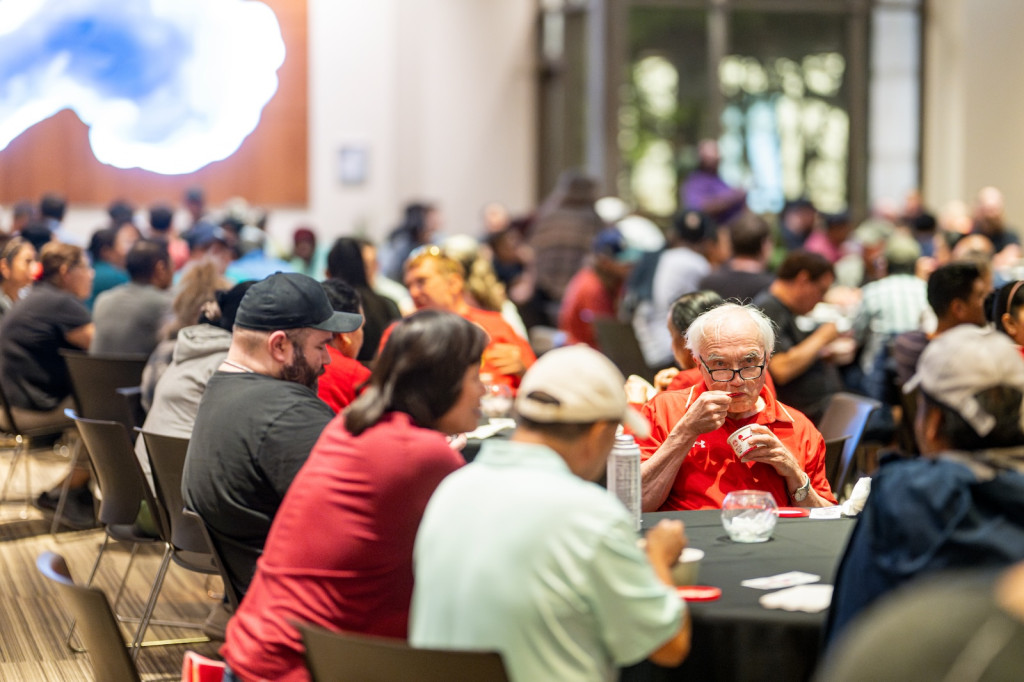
<point>289,300</point>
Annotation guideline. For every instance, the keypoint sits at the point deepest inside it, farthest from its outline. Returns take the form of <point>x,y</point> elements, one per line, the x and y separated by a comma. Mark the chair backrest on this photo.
<point>95,380</point>
<point>95,621</point>
<point>229,588</point>
<point>347,657</point>
<point>846,415</point>
<point>833,455</point>
<point>167,462</point>
<point>132,397</point>
<point>617,340</point>
<point>118,472</point>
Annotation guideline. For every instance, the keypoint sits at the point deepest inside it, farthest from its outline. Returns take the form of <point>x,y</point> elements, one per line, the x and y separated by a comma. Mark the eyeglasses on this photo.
<point>724,375</point>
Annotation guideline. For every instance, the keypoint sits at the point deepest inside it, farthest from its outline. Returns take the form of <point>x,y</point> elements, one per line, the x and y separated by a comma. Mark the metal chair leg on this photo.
<point>158,584</point>
<point>28,478</point>
<point>124,577</point>
<point>64,488</point>
<point>20,449</point>
<point>88,583</point>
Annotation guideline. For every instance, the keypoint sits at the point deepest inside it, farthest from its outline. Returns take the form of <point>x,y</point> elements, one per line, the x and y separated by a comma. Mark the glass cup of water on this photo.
<point>496,402</point>
<point>749,515</point>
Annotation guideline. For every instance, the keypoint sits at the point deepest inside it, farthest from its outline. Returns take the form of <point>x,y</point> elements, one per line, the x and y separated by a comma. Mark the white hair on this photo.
<point>709,325</point>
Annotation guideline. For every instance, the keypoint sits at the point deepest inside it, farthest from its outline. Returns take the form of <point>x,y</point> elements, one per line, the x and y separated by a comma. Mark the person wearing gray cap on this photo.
<point>554,579</point>
<point>260,415</point>
<point>962,503</point>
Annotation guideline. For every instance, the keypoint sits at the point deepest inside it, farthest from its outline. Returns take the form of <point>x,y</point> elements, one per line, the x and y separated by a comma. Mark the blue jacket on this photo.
<point>927,515</point>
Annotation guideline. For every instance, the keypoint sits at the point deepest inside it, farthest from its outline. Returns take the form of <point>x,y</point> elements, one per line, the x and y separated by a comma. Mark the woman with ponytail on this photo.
<point>339,553</point>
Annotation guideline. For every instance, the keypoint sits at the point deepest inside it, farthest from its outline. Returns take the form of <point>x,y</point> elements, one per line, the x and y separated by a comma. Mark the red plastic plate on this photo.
<point>699,592</point>
<point>793,512</point>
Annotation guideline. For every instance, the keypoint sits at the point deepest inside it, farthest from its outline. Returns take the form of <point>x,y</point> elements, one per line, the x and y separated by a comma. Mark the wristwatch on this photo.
<point>800,494</point>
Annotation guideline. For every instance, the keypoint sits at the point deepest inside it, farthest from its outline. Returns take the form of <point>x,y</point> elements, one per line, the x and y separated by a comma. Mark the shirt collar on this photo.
<point>506,453</point>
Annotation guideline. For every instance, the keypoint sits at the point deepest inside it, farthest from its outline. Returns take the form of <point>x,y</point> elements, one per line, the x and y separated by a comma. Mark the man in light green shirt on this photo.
<point>521,553</point>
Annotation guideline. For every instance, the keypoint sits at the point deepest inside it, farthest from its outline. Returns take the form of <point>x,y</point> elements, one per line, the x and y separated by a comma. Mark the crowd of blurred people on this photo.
<point>737,319</point>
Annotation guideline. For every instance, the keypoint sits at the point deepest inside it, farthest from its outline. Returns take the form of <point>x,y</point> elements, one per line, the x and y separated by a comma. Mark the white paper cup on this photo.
<point>738,440</point>
<point>686,570</point>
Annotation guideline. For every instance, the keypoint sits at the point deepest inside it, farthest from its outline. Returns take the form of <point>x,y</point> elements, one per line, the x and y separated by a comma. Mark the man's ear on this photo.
<point>593,455</point>
<point>956,307</point>
<point>279,347</point>
<point>1010,324</point>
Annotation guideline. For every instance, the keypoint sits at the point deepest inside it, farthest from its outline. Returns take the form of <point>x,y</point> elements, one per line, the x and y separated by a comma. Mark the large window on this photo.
<point>784,85</point>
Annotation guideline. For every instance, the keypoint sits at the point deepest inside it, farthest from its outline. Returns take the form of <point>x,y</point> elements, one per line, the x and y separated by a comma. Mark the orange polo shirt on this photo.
<point>498,331</point>
<point>711,470</point>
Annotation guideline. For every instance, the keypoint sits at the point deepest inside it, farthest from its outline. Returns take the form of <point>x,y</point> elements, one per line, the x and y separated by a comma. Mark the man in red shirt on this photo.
<point>436,281</point>
<point>595,290</point>
<point>688,463</point>
<point>343,379</point>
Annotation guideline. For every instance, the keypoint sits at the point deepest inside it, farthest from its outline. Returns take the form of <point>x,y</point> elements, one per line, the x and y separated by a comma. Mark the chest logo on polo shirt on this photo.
<point>698,444</point>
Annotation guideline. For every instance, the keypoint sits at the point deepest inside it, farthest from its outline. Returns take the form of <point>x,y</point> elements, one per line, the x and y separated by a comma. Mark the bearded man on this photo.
<point>260,415</point>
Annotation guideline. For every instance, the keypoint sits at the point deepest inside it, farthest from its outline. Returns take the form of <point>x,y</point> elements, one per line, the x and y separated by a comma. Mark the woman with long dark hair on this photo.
<point>345,262</point>
<point>339,553</point>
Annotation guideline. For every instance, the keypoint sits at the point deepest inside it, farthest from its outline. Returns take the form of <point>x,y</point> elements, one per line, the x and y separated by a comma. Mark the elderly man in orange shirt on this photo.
<point>688,463</point>
<point>436,281</point>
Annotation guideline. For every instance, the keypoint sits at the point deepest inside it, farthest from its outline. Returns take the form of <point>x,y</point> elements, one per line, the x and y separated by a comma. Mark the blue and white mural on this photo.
<point>165,85</point>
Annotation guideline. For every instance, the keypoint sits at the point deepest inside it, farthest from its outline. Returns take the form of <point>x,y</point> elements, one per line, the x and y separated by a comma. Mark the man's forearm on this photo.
<point>784,367</point>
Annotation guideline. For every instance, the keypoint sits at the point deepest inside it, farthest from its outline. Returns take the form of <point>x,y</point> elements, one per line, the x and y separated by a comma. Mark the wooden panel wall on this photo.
<point>270,168</point>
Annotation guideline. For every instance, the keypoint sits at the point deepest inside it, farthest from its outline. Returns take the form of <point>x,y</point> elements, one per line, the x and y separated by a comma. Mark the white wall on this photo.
<point>440,93</point>
<point>973,103</point>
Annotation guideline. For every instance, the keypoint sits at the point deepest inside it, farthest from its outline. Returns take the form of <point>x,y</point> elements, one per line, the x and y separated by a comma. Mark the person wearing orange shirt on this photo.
<point>687,462</point>
<point>436,281</point>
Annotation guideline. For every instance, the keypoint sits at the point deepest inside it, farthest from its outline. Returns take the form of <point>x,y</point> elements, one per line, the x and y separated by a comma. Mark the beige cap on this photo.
<point>960,363</point>
<point>576,385</point>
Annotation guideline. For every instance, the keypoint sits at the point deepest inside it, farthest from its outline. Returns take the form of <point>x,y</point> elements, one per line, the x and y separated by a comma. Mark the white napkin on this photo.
<point>858,497</point>
<point>807,598</point>
<point>774,582</point>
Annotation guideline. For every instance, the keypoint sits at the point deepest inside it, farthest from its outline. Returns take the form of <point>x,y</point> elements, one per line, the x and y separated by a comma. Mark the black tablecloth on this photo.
<point>735,638</point>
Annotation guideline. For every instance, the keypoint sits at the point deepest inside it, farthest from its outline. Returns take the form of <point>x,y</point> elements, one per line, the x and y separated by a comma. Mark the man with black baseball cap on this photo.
<point>260,415</point>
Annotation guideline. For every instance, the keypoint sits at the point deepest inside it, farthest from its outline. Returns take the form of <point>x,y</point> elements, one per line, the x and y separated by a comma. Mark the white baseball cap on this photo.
<point>964,361</point>
<point>576,385</point>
